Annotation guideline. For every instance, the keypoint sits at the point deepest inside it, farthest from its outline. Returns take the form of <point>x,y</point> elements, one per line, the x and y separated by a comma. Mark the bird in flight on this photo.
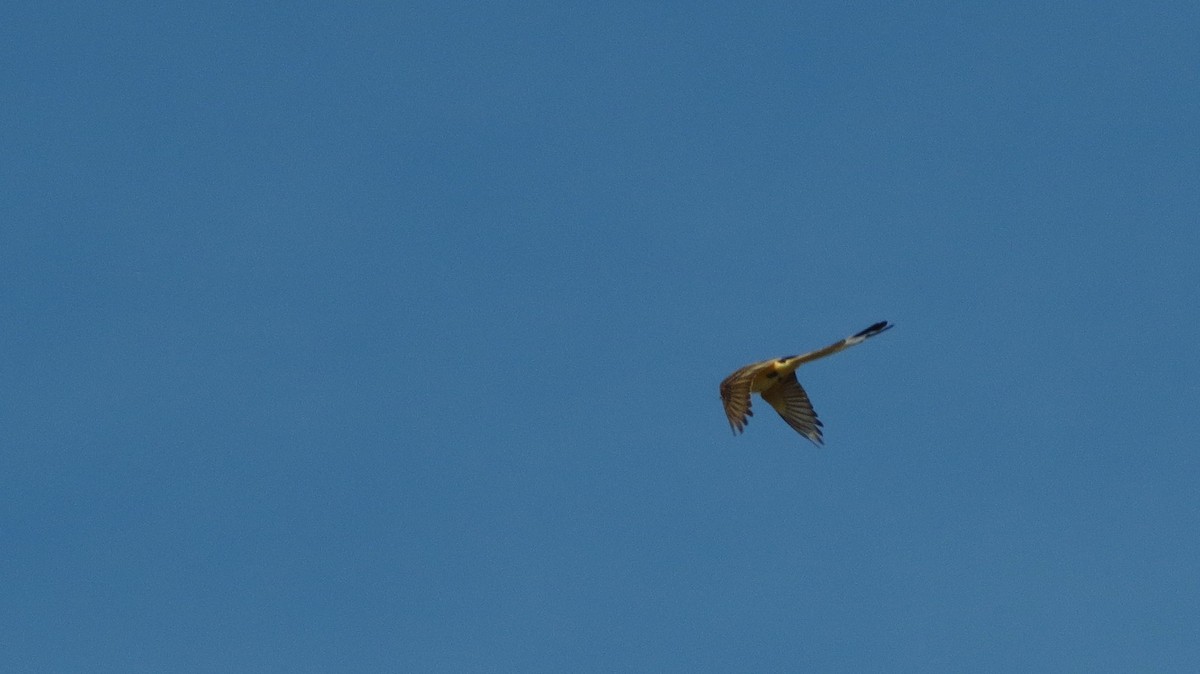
<point>775,381</point>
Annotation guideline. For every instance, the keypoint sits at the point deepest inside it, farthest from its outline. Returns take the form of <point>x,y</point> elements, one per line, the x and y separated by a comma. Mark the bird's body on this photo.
<point>775,380</point>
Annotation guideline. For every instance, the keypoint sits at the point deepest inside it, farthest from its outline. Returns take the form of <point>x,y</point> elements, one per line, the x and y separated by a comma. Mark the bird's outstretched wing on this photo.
<point>789,399</point>
<point>735,395</point>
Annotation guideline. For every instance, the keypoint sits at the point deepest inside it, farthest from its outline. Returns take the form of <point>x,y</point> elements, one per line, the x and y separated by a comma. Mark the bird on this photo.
<point>775,380</point>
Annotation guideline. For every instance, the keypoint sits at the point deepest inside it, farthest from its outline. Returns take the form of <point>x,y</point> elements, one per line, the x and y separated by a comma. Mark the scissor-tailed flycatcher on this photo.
<point>775,381</point>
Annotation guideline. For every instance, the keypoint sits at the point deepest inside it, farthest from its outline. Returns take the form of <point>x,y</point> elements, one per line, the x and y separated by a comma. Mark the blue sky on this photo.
<point>386,336</point>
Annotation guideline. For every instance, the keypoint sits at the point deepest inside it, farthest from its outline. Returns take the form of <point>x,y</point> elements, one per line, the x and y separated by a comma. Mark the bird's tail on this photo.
<point>856,338</point>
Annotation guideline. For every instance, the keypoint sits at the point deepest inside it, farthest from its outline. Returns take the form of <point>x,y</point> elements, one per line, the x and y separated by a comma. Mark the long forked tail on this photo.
<point>856,338</point>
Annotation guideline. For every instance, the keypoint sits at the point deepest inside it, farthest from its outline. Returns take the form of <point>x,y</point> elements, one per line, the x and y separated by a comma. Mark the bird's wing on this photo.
<point>789,399</point>
<point>735,395</point>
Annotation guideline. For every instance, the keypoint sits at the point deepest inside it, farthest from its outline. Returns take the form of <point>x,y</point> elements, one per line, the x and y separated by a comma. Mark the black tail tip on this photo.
<point>876,329</point>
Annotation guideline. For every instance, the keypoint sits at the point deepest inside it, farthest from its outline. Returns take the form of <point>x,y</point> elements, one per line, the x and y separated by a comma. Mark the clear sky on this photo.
<point>387,336</point>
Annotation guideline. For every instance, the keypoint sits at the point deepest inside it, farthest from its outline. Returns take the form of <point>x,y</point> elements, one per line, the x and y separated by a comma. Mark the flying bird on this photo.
<point>775,381</point>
